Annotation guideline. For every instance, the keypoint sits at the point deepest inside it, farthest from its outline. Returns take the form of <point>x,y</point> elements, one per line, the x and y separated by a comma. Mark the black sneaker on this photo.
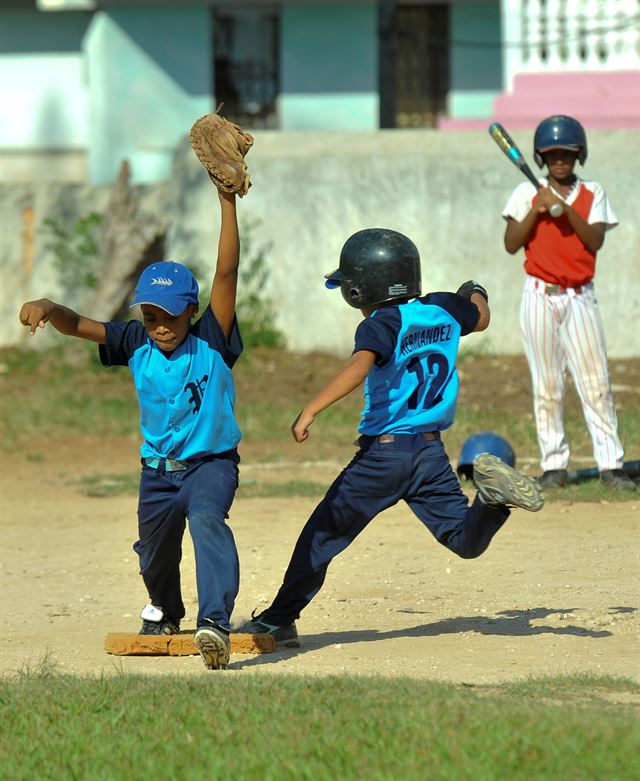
<point>285,636</point>
<point>554,478</point>
<point>499,484</point>
<point>617,479</point>
<point>154,622</point>
<point>213,643</point>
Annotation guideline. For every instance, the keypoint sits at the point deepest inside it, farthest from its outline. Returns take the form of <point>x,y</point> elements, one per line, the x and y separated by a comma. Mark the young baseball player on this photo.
<point>182,375</point>
<point>405,353</point>
<point>559,316</point>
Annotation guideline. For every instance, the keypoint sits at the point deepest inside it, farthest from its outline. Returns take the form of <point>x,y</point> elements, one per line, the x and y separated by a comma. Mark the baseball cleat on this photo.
<point>617,479</point>
<point>213,643</point>
<point>499,484</point>
<point>285,636</point>
<point>554,478</point>
<point>155,622</point>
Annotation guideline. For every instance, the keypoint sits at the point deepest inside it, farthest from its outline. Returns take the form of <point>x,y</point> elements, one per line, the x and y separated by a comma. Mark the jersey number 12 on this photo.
<point>438,368</point>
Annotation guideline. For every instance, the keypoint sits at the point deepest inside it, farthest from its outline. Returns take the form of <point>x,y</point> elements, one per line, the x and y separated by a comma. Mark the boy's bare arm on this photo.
<point>36,314</point>
<point>592,236</point>
<point>517,233</point>
<point>347,380</point>
<point>483,307</point>
<point>225,280</point>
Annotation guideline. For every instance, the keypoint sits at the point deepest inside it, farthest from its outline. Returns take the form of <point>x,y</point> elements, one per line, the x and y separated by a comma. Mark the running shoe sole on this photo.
<point>498,483</point>
<point>213,648</point>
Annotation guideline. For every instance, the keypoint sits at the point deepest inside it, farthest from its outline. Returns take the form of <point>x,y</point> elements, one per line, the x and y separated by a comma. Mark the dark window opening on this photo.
<point>246,50</point>
<point>414,63</point>
<point>422,69</point>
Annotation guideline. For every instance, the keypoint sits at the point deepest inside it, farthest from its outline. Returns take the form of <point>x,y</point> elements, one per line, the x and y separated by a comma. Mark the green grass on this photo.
<point>100,485</point>
<point>118,484</point>
<point>64,392</point>
<point>219,725</point>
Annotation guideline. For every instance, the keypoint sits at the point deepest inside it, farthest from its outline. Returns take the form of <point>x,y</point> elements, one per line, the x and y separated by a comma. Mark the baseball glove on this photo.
<point>221,146</point>
<point>467,289</point>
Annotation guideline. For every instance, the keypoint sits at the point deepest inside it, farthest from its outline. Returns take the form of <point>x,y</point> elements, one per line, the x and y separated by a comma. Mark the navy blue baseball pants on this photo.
<point>379,476</point>
<point>203,494</point>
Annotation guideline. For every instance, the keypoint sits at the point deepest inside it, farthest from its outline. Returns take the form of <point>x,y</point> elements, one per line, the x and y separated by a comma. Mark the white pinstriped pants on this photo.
<point>561,332</point>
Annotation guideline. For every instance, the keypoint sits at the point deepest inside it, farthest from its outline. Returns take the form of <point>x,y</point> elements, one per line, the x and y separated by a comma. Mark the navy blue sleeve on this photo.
<point>208,329</point>
<point>123,339</point>
<point>379,333</point>
<point>461,309</point>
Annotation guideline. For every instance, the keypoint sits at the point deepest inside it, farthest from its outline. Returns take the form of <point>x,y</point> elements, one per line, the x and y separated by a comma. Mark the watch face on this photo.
<point>151,613</point>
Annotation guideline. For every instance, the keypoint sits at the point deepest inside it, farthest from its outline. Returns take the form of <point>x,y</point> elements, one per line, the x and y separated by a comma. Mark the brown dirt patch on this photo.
<point>556,592</point>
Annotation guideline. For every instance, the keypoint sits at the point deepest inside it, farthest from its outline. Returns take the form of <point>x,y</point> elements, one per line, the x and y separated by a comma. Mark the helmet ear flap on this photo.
<point>538,158</point>
<point>352,294</point>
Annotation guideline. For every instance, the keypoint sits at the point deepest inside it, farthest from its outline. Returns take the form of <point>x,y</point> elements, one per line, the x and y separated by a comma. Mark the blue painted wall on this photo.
<point>43,87</point>
<point>22,32</point>
<point>329,67</point>
<point>151,77</point>
<point>476,71</point>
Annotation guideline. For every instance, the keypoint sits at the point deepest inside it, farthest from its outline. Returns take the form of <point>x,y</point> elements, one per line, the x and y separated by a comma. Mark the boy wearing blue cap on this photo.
<point>182,375</point>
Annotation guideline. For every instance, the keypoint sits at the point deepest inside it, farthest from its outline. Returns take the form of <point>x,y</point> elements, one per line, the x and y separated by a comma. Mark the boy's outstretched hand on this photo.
<point>300,426</point>
<point>35,314</point>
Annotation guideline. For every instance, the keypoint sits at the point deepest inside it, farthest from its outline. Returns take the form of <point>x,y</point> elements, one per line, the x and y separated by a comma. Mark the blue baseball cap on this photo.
<point>168,285</point>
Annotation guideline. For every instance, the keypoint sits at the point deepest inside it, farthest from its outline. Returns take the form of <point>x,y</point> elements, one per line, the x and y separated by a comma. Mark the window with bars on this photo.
<point>246,56</point>
<point>422,64</point>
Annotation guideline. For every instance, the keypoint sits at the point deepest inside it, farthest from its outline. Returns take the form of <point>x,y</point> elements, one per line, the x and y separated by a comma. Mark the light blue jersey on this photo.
<point>186,397</point>
<point>413,386</point>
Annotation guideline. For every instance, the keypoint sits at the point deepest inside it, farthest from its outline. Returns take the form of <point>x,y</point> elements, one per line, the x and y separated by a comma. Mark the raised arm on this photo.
<point>36,314</point>
<point>345,381</point>
<point>225,280</point>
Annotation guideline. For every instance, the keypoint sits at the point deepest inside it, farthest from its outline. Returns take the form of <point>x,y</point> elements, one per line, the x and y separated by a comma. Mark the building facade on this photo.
<point>86,83</point>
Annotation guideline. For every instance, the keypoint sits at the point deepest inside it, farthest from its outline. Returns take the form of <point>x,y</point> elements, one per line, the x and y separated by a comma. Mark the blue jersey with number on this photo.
<point>413,385</point>
<point>186,397</point>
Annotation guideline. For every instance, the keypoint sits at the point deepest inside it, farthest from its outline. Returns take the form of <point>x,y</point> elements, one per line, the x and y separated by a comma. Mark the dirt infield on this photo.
<point>557,591</point>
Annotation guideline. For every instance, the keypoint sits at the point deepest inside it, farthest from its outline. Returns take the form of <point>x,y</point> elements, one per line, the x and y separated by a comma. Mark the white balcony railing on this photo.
<point>569,35</point>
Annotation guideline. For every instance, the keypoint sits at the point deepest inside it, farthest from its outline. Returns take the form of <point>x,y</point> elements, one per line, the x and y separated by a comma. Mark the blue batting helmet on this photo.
<point>559,132</point>
<point>484,442</point>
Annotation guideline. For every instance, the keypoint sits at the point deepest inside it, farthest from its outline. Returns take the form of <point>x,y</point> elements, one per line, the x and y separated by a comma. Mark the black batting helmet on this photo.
<point>559,132</point>
<point>377,265</point>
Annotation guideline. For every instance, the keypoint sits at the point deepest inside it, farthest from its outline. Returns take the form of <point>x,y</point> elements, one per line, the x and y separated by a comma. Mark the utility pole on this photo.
<point>387,53</point>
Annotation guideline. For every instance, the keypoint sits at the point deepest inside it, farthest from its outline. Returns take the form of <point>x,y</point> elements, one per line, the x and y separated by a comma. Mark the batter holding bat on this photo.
<point>559,316</point>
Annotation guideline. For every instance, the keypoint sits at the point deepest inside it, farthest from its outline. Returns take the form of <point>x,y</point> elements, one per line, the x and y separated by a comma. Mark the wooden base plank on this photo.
<point>182,644</point>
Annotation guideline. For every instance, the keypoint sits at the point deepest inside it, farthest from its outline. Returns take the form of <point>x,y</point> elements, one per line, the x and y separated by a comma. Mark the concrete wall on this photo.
<point>311,191</point>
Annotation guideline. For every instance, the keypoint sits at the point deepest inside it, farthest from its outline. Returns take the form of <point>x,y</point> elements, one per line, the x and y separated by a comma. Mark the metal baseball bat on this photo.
<point>631,469</point>
<point>510,148</point>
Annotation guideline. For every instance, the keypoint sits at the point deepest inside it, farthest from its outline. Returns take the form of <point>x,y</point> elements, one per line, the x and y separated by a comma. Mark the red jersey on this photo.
<point>554,252</point>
